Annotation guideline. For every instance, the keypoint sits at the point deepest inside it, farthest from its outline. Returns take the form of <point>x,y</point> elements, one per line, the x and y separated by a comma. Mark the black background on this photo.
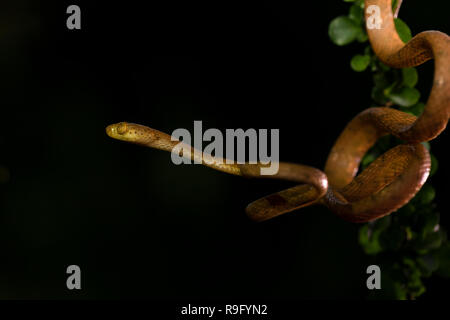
<point>138,225</point>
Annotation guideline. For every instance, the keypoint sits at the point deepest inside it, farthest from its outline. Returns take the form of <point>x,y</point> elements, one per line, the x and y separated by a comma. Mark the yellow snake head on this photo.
<point>142,135</point>
<point>131,132</point>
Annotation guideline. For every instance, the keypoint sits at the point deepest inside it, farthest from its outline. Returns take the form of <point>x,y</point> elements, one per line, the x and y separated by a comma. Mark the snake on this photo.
<point>389,182</point>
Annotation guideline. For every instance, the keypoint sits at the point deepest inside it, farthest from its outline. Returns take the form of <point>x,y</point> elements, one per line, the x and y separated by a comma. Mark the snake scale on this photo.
<point>387,183</point>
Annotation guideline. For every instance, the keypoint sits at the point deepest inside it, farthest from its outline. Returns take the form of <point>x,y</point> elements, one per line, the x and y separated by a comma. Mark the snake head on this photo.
<point>119,131</point>
<point>132,132</point>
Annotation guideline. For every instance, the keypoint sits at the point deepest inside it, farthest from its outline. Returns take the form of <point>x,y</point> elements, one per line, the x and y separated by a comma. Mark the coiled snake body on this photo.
<point>387,183</point>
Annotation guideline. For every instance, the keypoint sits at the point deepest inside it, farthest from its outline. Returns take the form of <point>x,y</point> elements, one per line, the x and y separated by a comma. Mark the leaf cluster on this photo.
<point>410,243</point>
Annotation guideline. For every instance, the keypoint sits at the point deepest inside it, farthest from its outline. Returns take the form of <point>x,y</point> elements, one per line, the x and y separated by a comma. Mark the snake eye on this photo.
<point>122,128</point>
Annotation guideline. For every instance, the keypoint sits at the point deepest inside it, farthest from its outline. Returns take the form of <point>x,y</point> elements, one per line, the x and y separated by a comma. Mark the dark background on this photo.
<point>138,225</point>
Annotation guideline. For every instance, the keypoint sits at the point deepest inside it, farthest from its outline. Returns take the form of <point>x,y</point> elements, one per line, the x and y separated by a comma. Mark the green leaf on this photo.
<point>427,264</point>
<point>403,30</point>
<point>410,77</point>
<point>443,256</point>
<point>368,158</point>
<point>405,97</point>
<point>432,241</point>
<point>359,62</point>
<point>383,66</point>
<point>394,86</point>
<point>378,95</point>
<point>393,238</point>
<point>434,165</point>
<point>380,80</point>
<point>416,109</point>
<point>369,240</point>
<point>428,221</point>
<point>362,36</point>
<point>356,13</point>
<point>343,30</point>
<point>412,272</point>
<point>369,235</point>
<point>426,194</point>
<point>404,215</point>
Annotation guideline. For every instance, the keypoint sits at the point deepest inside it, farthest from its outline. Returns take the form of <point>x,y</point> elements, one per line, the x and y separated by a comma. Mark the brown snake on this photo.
<point>387,183</point>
